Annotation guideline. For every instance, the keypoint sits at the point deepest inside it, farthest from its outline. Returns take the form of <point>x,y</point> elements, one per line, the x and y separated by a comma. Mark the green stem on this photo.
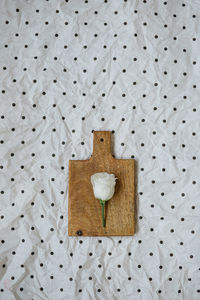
<point>102,211</point>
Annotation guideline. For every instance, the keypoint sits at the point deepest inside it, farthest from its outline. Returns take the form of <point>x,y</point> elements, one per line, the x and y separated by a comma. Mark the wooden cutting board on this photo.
<point>84,210</point>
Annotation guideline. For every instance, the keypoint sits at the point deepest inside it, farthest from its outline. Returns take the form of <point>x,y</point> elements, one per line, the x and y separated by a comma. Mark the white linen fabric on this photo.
<point>68,68</point>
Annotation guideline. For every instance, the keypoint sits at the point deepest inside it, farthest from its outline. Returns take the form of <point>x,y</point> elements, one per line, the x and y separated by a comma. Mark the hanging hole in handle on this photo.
<point>101,139</point>
<point>79,232</point>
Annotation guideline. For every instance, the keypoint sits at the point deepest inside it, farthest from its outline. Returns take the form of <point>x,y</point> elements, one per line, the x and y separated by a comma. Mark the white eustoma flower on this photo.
<point>103,187</point>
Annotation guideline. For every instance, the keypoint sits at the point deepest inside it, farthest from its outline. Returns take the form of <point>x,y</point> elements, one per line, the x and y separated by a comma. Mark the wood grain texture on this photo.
<point>84,210</point>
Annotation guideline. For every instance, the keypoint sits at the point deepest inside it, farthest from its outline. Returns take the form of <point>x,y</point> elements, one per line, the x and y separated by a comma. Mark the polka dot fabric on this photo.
<point>68,68</point>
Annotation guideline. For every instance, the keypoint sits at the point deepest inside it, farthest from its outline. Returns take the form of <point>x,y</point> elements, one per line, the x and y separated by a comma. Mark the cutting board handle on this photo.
<point>101,145</point>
